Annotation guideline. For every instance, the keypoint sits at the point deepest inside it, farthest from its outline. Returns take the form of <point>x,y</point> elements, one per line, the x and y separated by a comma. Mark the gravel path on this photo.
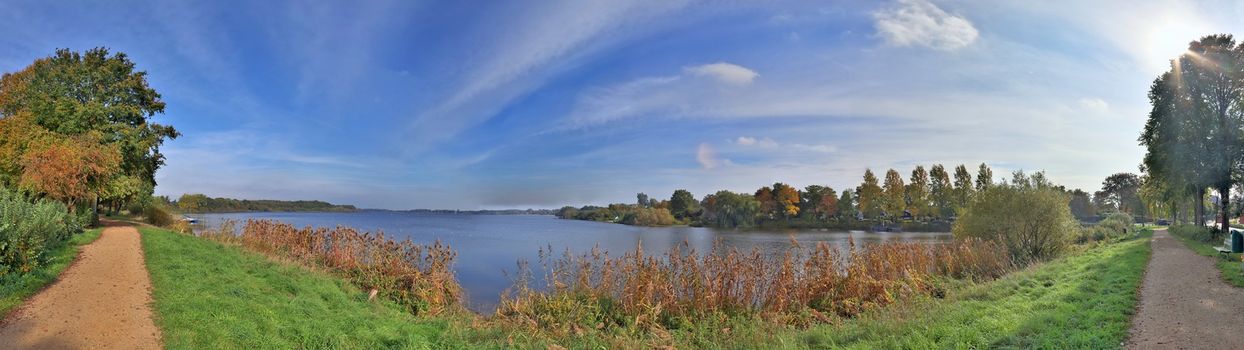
<point>1185,304</point>
<point>102,301</point>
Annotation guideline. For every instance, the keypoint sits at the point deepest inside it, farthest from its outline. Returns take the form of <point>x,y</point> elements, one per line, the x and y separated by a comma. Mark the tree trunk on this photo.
<point>1198,207</point>
<point>1224,191</point>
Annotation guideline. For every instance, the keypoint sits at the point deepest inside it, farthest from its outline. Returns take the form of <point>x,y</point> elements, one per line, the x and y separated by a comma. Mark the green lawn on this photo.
<point>1083,301</point>
<point>16,288</point>
<point>1229,264</point>
<point>208,295</point>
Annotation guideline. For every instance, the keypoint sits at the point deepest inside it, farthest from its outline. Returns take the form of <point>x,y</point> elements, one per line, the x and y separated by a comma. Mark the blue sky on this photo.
<point>500,104</point>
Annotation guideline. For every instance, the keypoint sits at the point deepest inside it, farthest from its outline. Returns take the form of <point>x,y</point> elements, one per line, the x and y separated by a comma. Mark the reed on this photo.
<point>803,286</point>
<point>416,276</point>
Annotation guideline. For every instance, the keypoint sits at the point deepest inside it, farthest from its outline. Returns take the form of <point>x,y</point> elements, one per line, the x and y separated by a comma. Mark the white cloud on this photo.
<point>725,72</point>
<point>707,157</point>
<point>919,22</point>
<point>1094,104</point>
<point>752,141</point>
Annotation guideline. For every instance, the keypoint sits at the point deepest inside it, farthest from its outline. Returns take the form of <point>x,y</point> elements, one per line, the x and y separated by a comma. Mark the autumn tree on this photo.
<point>868,196</point>
<point>766,200</point>
<point>786,199</point>
<point>820,202</point>
<point>74,94</point>
<point>69,170</point>
<point>893,197</point>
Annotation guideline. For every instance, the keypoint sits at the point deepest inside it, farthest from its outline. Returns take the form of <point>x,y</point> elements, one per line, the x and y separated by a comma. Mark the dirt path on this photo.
<point>101,302</point>
<point>1184,303</point>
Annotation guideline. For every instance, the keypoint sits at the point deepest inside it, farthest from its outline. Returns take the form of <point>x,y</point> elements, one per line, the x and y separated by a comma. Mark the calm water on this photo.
<point>489,246</point>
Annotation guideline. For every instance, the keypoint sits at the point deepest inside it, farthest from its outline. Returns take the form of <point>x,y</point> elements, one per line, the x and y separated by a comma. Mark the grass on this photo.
<point>1229,264</point>
<point>16,288</point>
<point>209,295</point>
<point>1082,301</point>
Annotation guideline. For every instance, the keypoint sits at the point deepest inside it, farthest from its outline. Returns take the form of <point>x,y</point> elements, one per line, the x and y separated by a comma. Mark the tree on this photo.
<point>941,192</point>
<point>768,204</point>
<point>1121,193</point>
<point>819,202</point>
<point>984,176</point>
<point>683,205</point>
<point>1081,205</point>
<point>846,205</point>
<point>918,193</point>
<point>642,200</point>
<point>963,185</point>
<point>69,170</point>
<point>868,195</point>
<point>893,198</point>
<point>1193,137</point>
<point>729,209</point>
<point>1029,216</point>
<point>786,199</point>
<point>75,94</point>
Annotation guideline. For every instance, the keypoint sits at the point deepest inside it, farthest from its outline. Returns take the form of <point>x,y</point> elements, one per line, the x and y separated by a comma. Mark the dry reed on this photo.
<point>416,276</point>
<point>800,287</point>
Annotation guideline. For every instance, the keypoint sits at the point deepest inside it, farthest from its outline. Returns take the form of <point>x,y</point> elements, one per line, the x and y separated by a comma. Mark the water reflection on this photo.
<point>489,246</point>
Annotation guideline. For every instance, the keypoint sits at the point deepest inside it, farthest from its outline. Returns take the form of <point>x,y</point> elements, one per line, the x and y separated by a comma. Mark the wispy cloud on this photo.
<point>725,72</point>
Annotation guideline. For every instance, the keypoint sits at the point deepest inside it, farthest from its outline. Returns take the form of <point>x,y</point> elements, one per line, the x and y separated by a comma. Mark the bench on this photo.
<point>1225,249</point>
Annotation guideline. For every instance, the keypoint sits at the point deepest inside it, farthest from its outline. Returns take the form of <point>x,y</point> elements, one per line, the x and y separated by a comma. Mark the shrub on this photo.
<point>1029,216</point>
<point>1199,233</point>
<point>648,217</point>
<point>158,216</point>
<point>29,230</point>
<point>1115,227</point>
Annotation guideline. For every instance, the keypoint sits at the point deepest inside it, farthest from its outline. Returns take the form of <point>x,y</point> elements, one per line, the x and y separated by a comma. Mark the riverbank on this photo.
<point>213,295</point>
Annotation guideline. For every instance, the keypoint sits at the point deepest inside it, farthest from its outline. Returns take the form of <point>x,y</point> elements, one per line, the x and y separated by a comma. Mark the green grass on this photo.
<point>16,288</point>
<point>1229,264</point>
<point>1083,301</point>
<point>208,295</point>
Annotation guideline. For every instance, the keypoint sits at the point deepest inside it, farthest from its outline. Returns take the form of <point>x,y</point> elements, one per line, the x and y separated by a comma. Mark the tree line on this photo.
<point>199,203</point>
<point>77,128</point>
<point>934,196</point>
<point>1194,134</point>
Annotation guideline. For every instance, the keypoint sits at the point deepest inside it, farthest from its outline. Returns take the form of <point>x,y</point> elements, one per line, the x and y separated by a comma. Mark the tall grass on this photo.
<point>803,286</point>
<point>416,276</point>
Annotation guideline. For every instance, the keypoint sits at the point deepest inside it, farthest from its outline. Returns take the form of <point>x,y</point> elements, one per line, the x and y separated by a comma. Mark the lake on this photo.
<point>490,246</point>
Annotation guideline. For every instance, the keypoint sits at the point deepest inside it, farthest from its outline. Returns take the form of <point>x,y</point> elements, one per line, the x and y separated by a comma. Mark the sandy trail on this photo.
<point>1184,303</point>
<point>102,301</point>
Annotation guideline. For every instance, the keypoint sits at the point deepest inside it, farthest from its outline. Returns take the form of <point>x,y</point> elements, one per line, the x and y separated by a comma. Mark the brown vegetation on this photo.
<point>806,285</point>
<point>416,276</point>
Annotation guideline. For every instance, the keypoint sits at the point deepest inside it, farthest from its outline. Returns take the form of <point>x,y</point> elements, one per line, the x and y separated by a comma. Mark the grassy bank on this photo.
<point>208,295</point>
<point>1082,301</point>
<point>16,288</point>
<point>1199,240</point>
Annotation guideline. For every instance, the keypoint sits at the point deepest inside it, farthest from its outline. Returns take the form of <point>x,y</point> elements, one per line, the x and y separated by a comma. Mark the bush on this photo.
<point>1199,233</point>
<point>1115,227</point>
<point>29,230</point>
<point>1029,216</point>
<point>648,217</point>
<point>158,216</point>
